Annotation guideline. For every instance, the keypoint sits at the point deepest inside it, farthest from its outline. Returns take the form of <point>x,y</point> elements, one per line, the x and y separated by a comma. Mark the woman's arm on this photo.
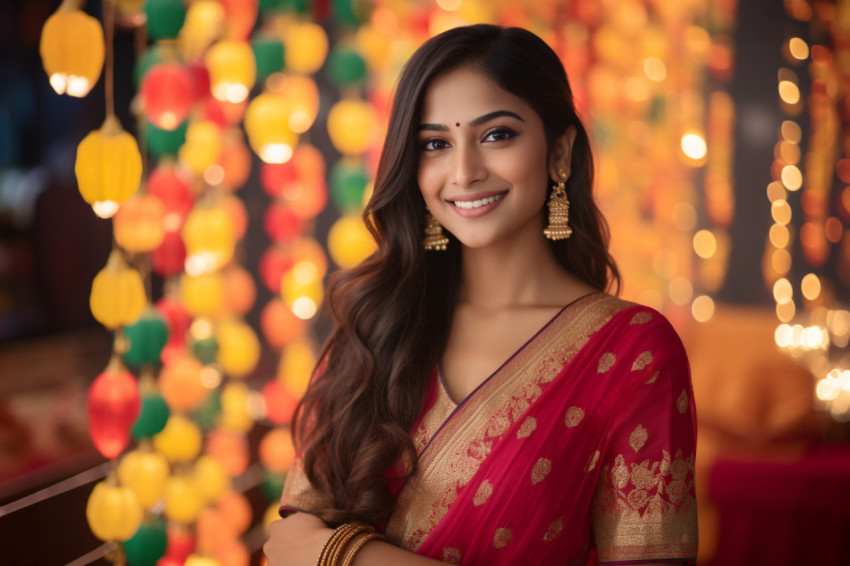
<point>298,541</point>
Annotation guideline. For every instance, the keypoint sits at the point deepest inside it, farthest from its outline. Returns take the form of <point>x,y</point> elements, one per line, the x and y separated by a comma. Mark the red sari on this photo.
<point>578,450</point>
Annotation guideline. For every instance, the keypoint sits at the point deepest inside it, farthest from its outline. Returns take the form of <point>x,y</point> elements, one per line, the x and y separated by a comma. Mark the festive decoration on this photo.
<point>108,166</point>
<point>113,512</point>
<point>239,348</point>
<point>181,383</point>
<point>72,50</point>
<point>139,224</point>
<point>202,148</point>
<point>113,403</point>
<point>183,500</point>
<point>210,239</point>
<point>268,129</point>
<point>164,18</point>
<point>306,46</point>
<point>153,415</point>
<point>117,293</point>
<point>146,337</point>
<point>167,95</point>
<point>148,545</point>
<point>350,125</point>
<point>232,68</point>
<point>180,440</point>
<point>202,295</point>
<point>144,472</point>
<point>349,242</point>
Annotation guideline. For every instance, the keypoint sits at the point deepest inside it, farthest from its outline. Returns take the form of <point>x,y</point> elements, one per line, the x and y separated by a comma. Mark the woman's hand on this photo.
<point>296,540</point>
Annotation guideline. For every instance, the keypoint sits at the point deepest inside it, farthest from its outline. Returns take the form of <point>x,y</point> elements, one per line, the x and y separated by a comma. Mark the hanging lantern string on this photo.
<point>141,42</point>
<point>109,32</point>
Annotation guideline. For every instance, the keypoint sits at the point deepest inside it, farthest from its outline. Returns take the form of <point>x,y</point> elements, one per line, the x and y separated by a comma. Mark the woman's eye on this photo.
<point>434,144</point>
<point>499,134</point>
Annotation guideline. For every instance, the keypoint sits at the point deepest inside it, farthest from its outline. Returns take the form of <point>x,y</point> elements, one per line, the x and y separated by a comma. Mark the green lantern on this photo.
<point>268,53</point>
<point>165,18</point>
<point>348,182</point>
<point>351,12</point>
<point>152,417</point>
<point>206,414</point>
<point>148,544</point>
<point>273,484</point>
<point>147,337</point>
<point>164,142</point>
<point>345,66</point>
<point>205,350</point>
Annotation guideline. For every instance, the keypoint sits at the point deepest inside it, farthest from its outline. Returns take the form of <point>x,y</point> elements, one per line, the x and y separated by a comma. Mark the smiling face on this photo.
<point>483,166</point>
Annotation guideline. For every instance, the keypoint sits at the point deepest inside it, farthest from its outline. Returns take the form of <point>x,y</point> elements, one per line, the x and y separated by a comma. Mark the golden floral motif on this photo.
<point>642,361</point>
<point>573,417</point>
<point>638,498</point>
<point>641,318</point>
<point>528,426</point>
<point>682,402</point>
<point>591,464</point>
<point>638,438</point>
<point>451,555</point>
<point>554,529</point>
<point>485,490</point>
<point>652,379</point>
<point>541,470</point>
<point>502,537</point>
<point>606,362</point>
<point>620,473</point>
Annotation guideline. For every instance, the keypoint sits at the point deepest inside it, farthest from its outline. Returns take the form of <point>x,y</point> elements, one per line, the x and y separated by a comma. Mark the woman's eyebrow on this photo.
<point>476,122</point>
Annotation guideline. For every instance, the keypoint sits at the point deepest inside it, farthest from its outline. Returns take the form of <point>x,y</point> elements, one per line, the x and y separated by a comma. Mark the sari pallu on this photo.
<point>579,449</point>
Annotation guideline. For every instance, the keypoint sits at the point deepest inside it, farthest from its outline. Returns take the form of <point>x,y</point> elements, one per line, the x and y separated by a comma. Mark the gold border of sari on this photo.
<point>458,449</point>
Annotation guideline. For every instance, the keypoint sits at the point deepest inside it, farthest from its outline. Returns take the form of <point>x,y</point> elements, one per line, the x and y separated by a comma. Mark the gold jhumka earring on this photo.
<point>559,211</point>
<point>434,237</point>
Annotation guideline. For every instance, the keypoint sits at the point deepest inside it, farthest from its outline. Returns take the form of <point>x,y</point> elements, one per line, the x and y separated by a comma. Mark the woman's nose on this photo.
<point>468,167</point>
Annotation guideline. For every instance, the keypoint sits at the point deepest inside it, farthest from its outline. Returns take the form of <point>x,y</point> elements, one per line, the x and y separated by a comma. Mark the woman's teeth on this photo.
<point>476,203</point>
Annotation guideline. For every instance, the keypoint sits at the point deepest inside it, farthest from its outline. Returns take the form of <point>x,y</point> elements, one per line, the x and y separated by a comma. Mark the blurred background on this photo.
<point>178,178</point>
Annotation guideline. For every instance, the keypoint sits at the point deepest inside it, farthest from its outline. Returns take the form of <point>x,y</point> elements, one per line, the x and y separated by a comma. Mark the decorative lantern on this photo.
<point>210,478</point>
<point>349,242</point>
<point>148,545</point>
<point>240,17</point>
<point>164,18</point>
<point>210,239</point>
<point>181,383</point>
<point>238,347</point>
<point>112,404</point>
<point>307,198</point>
<point>147,337</point>
<point>305,48</point>
<point>240,291</point>
<point>202,295</point>
<point>72,50</point>
<point>274,262</point>
<point>280,402</point>
<point>168,184</point>
<point>235,209</point>
<point>276,450</point>
<point>180,440</point>
<point>183,499</point>
<point>308,250</point>
<point>152,417</point>
<point>267,126</point>
<point>296,366</point>
<point>165,143</point>
<point>288,180</point>
<point>139,224</point>
<point>167,95</point>
<point>181,543</point>
<point>117,293</point>
<point>204,24</point>
<point>202,147</point>
<point>345,66</point>
<point>170,257</point>
<point>144,471</point>
<point>348,184</point>
<point>235,403</point>
<point>350,124</point>
<point>281,224</point>
<point>232,68</point>
<point>268,52</point>
<point>109,165</point>
<point>237,511</point>
<point>113,512</point>
<point>302,290</point>
<point>302,95</point>
<point>235,161</point>
<point>279,324</point>
<point>230,448</point>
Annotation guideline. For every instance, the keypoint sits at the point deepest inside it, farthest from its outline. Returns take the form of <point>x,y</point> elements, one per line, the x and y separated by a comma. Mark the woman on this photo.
<point>577,448</point>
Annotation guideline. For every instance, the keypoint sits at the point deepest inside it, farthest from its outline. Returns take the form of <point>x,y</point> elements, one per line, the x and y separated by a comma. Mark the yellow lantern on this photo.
<point>72,50</point>
<point>202,148</point>
<point>296,366</point>
<point>210,478</point>
<point>204,24</point>
<point>113,512</point>
<point>180,440</point>
<point>238,347</point>
<point>210,239</point>
<point>235,407</point>
<point>108,167</point>
<point>117,293</point>
<point>144,472</point>
<point>305,47</point>
<point>182,498</point>
<point>302,96</point>
<point>267,125</point>
<point>302,290</point>
<point>350,124</point>
<point>139,224</point>
<point>233,70</point>
<point>198,560</point>
<point>349,242</point>
<point>202,295</point>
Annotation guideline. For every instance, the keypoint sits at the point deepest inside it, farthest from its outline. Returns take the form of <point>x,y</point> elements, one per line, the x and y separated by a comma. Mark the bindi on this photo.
<point>457,124</point>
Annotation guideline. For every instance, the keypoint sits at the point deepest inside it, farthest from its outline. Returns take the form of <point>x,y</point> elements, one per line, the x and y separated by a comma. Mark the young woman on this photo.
<point>482,400</point>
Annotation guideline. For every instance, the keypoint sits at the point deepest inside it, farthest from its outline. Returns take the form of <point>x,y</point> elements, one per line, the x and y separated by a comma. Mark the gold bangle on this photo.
<point>329,544</point>
<point>335,545</point>
<point>358,543</point>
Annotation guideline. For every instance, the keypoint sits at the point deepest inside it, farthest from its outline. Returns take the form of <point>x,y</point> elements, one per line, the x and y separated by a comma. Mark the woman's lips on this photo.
<point>475,207</point>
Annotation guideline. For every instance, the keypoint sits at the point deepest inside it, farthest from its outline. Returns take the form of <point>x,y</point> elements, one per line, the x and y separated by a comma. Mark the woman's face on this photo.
<point>483,168</point>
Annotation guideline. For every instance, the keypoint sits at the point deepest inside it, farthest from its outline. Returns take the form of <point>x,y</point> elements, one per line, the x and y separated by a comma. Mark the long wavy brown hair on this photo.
<point>392,313</point>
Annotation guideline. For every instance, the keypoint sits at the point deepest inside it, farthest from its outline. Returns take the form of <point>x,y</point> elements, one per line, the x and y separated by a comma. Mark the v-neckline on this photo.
<point>444,390</point>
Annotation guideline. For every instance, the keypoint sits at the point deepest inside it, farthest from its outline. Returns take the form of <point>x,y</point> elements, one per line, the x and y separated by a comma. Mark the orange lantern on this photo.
<point>138,224</point>
<point>237,511</point>
<point>117,293</point>
<point>310,251</point>
<point>72,50</point>
<point>232,68</point>
<point>276,450</point>
<point>167,95</point>
<point>229,447</point>
<point>235,209</point>
<point>279,325</point>
<point>267,126</point>
<point>240,290</point>
<point>240,17</point>
<point>235,161</point>
<point>113,512</point>
<point>181,385</point>
<point>280,402</point>
<point>108,166</point>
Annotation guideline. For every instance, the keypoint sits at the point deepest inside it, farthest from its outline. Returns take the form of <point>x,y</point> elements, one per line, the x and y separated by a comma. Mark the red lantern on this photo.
<point>281,224</point>
<point>279,325</point>
<point>172,188</point>
<point>168,259</point>
<point>167,92</point>
<point>240,17</point>
<point>200,80</point>
<point>176,317</point>
<point>274,262</point>
<point>224,113</point>
<point>280,402</point>
<point>113,404</point>
<point>275,177</point>
<point>181,543</point>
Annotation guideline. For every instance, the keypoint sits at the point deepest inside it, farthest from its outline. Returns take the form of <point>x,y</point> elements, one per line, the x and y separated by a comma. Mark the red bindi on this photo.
<point>457,124</point>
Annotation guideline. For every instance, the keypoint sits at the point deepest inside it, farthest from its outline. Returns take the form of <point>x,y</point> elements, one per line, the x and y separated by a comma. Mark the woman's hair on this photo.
<point>392,312</point>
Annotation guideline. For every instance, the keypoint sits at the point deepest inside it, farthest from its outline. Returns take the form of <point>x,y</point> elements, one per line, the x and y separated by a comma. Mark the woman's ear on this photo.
<point>562,153</point>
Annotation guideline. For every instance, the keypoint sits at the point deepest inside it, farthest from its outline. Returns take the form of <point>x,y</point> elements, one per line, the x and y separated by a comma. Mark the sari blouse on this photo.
<point>578,450</point>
